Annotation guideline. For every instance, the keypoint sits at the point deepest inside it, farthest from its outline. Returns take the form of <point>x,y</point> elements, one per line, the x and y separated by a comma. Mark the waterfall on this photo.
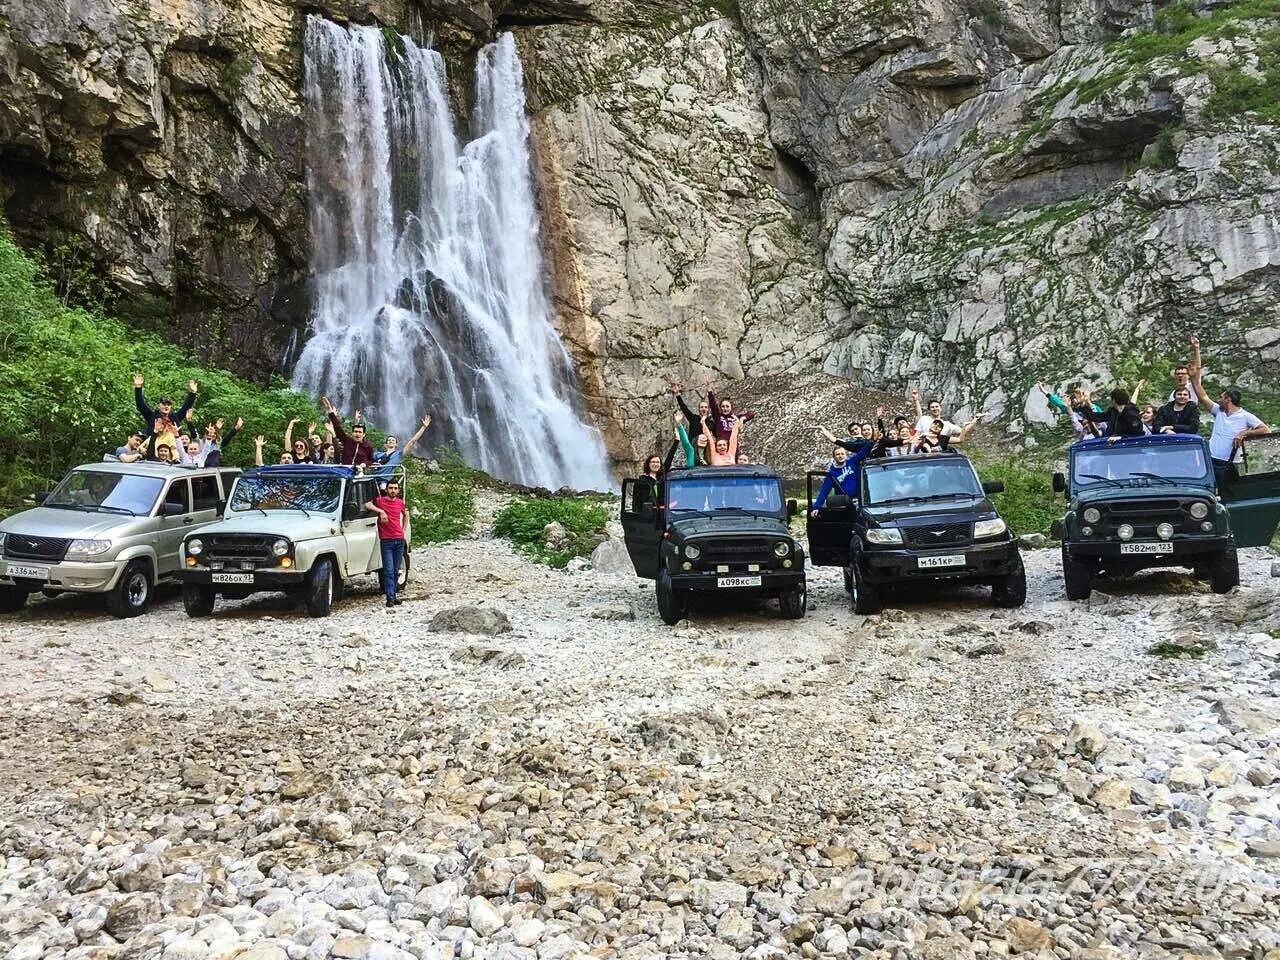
<point>429,288</point>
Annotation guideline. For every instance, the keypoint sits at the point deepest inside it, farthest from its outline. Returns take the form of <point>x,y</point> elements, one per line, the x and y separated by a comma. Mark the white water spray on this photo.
<point>429,291</point>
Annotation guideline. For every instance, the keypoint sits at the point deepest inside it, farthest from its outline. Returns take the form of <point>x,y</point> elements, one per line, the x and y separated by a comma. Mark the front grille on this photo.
<point>1145,515</point>
<point>238,549</point>
<point>20,546</point>
<point>747,550</point>
<point>1144,506</point>
<point>938,535</point>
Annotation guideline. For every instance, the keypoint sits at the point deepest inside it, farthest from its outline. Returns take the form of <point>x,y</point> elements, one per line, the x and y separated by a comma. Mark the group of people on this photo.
<point>1180,413</point>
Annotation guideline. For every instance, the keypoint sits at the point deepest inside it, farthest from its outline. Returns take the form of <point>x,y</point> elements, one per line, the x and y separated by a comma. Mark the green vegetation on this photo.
<point>1166,650</point>
<point>1163,154</point>
<point>442,505</point>
<point>524,520</point>
<point>1028,503</point>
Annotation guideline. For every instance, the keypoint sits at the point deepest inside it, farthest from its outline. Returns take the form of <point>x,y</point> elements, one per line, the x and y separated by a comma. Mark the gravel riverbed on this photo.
<point>942,780</point>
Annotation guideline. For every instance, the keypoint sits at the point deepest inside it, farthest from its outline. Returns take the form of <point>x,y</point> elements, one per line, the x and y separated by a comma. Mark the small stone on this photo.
<point>1262,775</point>
<point>1087,740</point>
<point>991,649</point>
<point>1224,774</point>
<point>305,784</point>
<point>493,656</point>
<point>1185,778</point>
<point>734,929</point>
<point>350,946</point>
<point>484,621</point>
<point>1032,541</point>
<point>128,915</point>
<point>1112,795</point>
<point>528,931</point>
<point>334,827</point>
<point>1275,568</point>
<point>483,917</point>
<point>1263,848</point>
<point>160,683</point>
<point>1027,936</point>
<point>1258,717</point>
<point>197,775</point>
<point>264,951</point>
<point>28,948</point>
<point>617,612</point>
<point>832,939</point>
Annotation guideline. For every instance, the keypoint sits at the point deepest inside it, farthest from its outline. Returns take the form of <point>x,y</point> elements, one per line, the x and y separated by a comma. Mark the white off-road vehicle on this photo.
<point>297,529</point>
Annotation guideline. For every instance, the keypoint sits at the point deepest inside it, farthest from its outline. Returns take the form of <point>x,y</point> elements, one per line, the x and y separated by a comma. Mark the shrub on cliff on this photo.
<point>525,520</point>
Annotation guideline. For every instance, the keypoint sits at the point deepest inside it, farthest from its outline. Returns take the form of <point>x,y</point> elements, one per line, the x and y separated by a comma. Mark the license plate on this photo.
<point>738,582</point>
<point>1164,546</point>
<point>233,578</point>
<point>950,560</point>
<point>28,573</point>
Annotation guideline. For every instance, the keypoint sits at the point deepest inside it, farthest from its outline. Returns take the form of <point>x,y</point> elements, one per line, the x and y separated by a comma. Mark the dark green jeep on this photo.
<point>714,530</point>
<point>1140,502</point>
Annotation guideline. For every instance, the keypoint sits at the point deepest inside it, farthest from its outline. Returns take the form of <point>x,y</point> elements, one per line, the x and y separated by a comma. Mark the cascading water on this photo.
<point>429,289</point>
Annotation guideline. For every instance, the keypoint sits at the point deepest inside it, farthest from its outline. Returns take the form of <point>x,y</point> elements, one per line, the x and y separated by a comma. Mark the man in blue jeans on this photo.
<point>390,510</point>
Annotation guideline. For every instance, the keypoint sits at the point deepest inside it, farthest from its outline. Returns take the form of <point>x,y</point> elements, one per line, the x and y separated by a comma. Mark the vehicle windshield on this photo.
<point>730,494</point>
<point>319,494</point>
<point>904,481</point>
<point>100,491</point>
<point>1165,461</point>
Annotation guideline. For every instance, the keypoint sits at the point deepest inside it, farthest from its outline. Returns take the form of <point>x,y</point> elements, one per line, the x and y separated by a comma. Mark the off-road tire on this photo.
<point>198,600</point>
<point>1011,590</point>
<point>864,597</point>
<point>131,596</point>
<point>12,599</point>
<point>672,605</point>
<point>793,603</point>
<point>1224,571</point>
<point>319,590</point>
<point>1077,578</point>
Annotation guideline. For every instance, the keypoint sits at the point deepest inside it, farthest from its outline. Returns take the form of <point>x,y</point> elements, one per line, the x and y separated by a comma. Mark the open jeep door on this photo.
<point>641,530</point>
<point>1253,496</point>
<point>831,530</point>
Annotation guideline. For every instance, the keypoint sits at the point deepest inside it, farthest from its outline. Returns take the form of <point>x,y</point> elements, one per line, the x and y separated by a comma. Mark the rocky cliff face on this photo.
<point>961,193</point>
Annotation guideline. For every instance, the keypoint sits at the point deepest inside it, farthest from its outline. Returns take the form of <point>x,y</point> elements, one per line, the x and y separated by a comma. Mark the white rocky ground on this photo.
<point>944,780</point>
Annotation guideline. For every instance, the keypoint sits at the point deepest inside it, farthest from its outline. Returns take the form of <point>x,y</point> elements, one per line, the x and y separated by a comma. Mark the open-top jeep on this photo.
<point>709,530</point>
<point>1139,502</point>
<point>299,529</point>
<point>110,528</point>
<point>916,518</point>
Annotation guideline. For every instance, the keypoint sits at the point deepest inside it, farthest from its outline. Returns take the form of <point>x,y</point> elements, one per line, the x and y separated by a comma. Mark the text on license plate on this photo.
<point>1163,546</point>
<point>233,578</point>
<point>950,560</point>
<point>738,582</point>
<point>28,572</point>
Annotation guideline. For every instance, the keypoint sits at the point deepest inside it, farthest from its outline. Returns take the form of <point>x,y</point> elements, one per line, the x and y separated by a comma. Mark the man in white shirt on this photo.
<point>925,420</point>
<point>1232,423</point>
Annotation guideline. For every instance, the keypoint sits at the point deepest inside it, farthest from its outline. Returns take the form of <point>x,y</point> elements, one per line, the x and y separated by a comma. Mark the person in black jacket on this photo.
<point>1181,415</point>
<point>695,420</point>
<point>163,422</point>
<point>1122,417</point>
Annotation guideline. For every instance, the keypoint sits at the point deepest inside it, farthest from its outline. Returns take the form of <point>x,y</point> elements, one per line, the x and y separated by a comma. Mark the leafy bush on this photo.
<point>1028,503</point>
<point>65,390</point>
<point>524,519</point>
<point>442,505</point>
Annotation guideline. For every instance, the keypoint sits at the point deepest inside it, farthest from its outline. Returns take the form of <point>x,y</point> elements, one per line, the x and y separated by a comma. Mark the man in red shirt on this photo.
<point>390,510</point>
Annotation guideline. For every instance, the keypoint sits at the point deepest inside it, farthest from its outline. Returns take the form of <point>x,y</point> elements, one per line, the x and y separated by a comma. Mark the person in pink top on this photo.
<point>390,510</point>
<point>724,452</point>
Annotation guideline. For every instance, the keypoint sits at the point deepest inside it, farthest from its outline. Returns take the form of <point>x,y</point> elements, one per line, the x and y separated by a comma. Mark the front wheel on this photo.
<point>12,599</point>
<point>319,589</point>
<point>672,604</point>
<point>131,595</point>
<point>864,597</point>
<point>1224,571</point>
<point>198,600</point>
<point>1076,578</point>
<point>793,603</point>
<point>1011,589</point>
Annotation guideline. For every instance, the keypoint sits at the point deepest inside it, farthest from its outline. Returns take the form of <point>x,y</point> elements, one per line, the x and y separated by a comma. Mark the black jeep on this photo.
<point>922,517</point>
<point>1140,502</point>
<point>708,530</point>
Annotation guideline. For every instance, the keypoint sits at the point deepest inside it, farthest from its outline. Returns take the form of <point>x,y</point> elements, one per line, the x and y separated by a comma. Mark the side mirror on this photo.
<point>792,509</point>
<point>172,509</point>
<point>1059,483</point>
<point>993,486</point>
<point>350,511</point>
<point>40,497</point>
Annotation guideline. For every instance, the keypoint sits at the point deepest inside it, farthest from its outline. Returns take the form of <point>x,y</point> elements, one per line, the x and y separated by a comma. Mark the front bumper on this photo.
<point>982,561</point>
<point>1185,550</point>
<point>771,581</point>
<point>267,579</point>
<point>66,575</point>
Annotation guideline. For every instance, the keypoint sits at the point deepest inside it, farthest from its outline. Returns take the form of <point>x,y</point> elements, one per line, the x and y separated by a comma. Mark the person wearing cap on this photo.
<point>1232,423</point>
<point>163,422</point>
<point>132,449</point>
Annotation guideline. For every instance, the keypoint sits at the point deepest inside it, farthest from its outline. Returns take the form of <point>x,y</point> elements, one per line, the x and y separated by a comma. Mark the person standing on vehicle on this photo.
<point>925,418</point>
<point>392,453</point>
<point>1180,415</point>
<point>390,510</point>
<point>1122,417</point>
<point>693,419</point>
<point>356,450</point>
<point>1232,423</point>
<point>842,471</point>
<point>163,422</point>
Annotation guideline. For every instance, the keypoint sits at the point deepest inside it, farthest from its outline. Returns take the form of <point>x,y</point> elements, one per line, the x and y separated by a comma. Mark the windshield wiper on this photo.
<point>932,496</point>
<point>66,506</point>
<point>1098,476</point>
<point>1153,476</point>
<point>113,508</point>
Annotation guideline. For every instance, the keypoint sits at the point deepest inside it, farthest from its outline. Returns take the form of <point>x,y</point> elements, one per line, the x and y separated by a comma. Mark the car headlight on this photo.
<point>1125,531</point>
<point>82,549</point>
<point>1165,531</point>
<point>1199,509</point>
<point>989,528</point>
<point>692,551</point>
<point>781,548</point>
<point>1092,515</point>
<point>884,535</point>
<point>195,546</point>
<point>280,548</point>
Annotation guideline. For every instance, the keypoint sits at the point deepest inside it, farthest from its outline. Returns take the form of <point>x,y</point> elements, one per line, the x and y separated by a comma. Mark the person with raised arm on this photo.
<point>1232,423</point>
<point>164,422</point>
<point>925,417</point>
<point>392,453</point>
<point>694,420</point>
<point>356,450</point>
<point>724,451</point>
